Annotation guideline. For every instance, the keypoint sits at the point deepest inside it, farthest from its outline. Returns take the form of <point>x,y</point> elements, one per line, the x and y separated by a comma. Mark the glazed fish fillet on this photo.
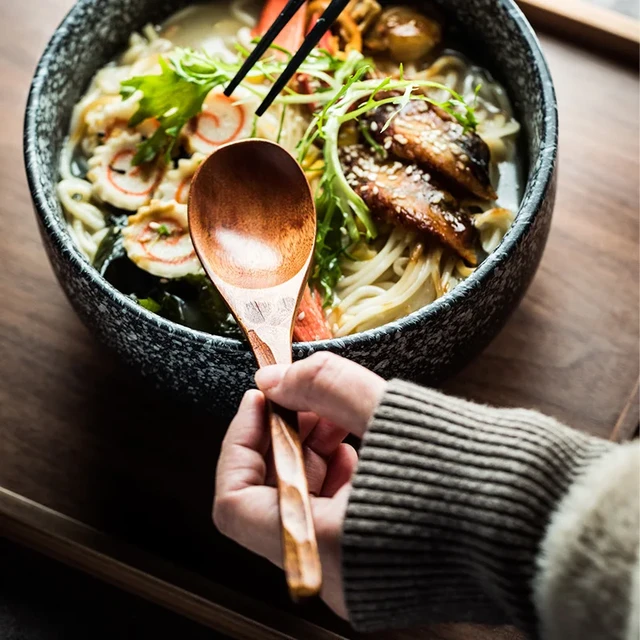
<point>430,137</point>
<point>406,195</point>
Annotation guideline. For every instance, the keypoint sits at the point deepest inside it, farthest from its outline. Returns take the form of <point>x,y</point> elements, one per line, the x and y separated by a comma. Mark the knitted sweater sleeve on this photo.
<point>461,512</point>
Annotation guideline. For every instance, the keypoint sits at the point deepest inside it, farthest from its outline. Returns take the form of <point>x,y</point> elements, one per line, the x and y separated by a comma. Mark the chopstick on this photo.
<point>264,43</point>
<point>313,37</point>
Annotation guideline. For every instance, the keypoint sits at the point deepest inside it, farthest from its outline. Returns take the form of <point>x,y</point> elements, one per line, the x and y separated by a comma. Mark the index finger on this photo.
<point>335,388</point>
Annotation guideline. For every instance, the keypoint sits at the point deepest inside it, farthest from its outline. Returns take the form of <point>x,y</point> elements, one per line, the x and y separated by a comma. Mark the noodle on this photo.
<point>241,15</point>
<point>497,128</point>
<point>394,275</point>
<point>445,269</point>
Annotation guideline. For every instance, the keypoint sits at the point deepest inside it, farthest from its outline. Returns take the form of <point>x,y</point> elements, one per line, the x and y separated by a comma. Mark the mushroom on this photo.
<point>404,33</point>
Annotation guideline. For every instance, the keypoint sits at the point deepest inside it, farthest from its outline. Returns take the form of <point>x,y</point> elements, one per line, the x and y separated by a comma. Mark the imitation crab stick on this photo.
<point>311,323</point>
<point>291,37</point>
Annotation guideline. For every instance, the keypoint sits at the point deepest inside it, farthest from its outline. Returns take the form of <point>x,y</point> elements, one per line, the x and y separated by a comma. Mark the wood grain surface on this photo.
<point>82,436</point>
<point>593,26</point>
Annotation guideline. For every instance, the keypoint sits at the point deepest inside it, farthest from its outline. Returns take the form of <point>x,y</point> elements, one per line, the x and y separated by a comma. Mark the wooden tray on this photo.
<point>104,474</point>
<point>582,22</point>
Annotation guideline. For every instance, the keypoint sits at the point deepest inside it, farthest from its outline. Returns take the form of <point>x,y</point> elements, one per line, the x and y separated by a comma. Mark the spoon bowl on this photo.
<point>272,244</point>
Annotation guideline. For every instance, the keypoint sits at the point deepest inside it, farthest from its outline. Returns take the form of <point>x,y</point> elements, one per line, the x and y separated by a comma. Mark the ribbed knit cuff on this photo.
<point>449,505</point>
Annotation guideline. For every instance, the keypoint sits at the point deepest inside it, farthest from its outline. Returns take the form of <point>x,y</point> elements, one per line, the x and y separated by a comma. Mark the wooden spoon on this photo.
<point>253,225</point>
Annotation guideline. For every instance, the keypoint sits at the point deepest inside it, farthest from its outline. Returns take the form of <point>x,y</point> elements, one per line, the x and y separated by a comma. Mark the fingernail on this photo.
<point>251,396</point>
<point>269,377</point>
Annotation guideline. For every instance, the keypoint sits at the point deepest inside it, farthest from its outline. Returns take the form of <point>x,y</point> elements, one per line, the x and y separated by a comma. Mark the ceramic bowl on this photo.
<point>425,346</point>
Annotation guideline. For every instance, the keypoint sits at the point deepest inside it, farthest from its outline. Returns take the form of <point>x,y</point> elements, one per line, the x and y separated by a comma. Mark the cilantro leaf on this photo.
<point>169,99</point>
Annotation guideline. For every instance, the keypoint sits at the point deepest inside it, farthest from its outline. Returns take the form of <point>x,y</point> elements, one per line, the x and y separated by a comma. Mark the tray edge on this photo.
<point>146,575</point>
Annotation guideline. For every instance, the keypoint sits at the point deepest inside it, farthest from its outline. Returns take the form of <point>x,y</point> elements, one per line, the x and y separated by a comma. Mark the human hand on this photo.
<point>334,397</point>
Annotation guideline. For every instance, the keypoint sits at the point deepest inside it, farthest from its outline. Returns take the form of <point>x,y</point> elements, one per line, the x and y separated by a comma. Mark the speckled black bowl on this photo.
<point>427,345</point>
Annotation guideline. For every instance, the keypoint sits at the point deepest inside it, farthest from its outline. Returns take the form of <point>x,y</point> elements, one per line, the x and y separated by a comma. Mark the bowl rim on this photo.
<point>542,172</point>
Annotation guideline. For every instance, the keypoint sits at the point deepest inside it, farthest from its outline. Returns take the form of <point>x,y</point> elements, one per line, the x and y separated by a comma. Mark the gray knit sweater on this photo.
<point>461,512</point>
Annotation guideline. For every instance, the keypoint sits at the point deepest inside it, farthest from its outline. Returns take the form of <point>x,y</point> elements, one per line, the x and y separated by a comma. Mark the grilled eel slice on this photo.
<point>436,141</point>
<point>406,195</point>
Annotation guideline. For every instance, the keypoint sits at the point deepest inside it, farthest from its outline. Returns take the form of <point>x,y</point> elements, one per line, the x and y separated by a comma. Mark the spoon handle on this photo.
<point>299,546</point>
<point>301,559</point>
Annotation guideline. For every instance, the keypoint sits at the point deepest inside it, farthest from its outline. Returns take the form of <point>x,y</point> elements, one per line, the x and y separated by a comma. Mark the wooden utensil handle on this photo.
<point>299,546</point>
<point>301,559</point>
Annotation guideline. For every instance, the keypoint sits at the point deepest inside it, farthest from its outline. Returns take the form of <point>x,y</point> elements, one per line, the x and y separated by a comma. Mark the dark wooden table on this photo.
<point>81,436</point>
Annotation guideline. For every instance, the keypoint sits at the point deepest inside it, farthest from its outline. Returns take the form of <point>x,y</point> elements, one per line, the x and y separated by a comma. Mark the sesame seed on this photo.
<point>374,126</point>
<point>301,316</point>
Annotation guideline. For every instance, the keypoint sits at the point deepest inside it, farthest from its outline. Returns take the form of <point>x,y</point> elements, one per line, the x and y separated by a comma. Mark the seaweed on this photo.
<point>110,249</point>
<point>192,301</point>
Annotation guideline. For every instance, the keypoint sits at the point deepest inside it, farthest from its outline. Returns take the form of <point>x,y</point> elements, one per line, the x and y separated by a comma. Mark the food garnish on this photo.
<point>177,94</point>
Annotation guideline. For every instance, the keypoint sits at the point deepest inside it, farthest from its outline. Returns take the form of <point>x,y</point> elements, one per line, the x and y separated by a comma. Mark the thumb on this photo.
<point>332,387</point>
